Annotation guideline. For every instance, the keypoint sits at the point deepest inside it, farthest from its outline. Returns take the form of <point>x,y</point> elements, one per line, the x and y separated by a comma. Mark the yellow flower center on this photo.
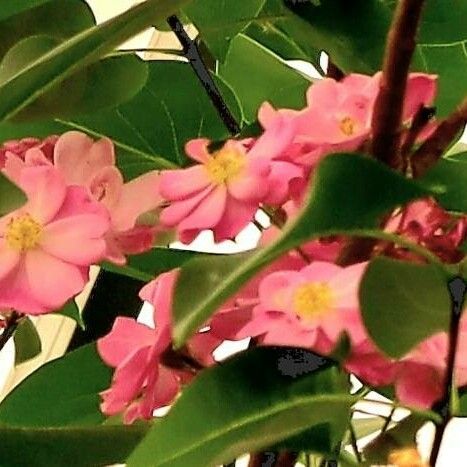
<point>312,300</point>
<point>406,457</point>
<point>348,126</point>
<point>224,165</point>
<point>23,233</point>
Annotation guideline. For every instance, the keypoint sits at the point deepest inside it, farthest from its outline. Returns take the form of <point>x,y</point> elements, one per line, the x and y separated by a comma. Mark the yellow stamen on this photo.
<point>312,300</point>
<point>347,126</point>
<point>23,233</point>
<point>224,165</point>
<point>406,457</point>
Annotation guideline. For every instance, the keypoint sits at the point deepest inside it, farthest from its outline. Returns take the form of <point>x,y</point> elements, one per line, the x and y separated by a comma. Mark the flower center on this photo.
<point>224,165</point>
<point>23,233</point>
<point>347,125</point>
<point>312,300</point>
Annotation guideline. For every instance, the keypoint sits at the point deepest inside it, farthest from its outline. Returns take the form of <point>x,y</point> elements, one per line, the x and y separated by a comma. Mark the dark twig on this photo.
<point>11,323</point>
<point>457,290</point>
<point>334,71</point>
<point>387,114</point>
<point>193,55</point>
<point>419,122</point>
<point>433,148</point>
<point>353,441</point>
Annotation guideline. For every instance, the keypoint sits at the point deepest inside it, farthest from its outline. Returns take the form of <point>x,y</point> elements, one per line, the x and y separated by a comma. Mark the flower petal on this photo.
<point>179,184</point>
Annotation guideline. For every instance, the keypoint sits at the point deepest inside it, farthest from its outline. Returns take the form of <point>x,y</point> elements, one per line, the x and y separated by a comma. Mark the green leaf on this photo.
<point>63,392</point>
<point>268,77</point>
<point>65,446</point>
<point>394,292</point>
<point>86,91</point>
<point>77,53</point>
<point>19,6</point>
<point>71,310</point>
<point>11,197</point>
<point>367,426</point>
<point>449,175</point>
<point>56,18</point>
<point>219,22</point>
<point>348,195</point>
<point>147,266</point>
<point>27,341</point>
<point>248,403</point>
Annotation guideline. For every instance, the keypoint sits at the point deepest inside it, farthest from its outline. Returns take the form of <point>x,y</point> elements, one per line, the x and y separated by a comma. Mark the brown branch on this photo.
<point>11,323</point>
<point>334,71</point>
<point>387,114</point>
<point>433,148</point>
<point>419,122</point>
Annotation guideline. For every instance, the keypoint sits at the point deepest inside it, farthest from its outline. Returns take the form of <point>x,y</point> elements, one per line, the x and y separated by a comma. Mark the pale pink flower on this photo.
<point>47,246</point>
<point>20,147</point>
<point>338,114</point>
<point>223,192</point>
<point>91,164</point>
<point>308,308</point>
<point>144,380</point>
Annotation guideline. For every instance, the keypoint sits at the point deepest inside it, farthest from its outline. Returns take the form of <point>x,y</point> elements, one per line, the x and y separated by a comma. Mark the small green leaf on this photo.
<point>268,77</point>
<point>11,197</point>
<point>71,310</point>
<point>248,403</point>
<point>403,303</point>
<point>349,193</point>
<point>27,341</point>
<point>450,175</point>
<point>68,446</point>
<point>63,392</point>
<point>77,53</point>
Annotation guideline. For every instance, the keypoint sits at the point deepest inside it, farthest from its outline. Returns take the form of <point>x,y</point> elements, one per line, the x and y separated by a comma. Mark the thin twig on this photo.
<point>428,154</point>
<point>387,114</point>
<point>388,420</point>
<point>12,322</point>
<point>353,441</point>
<point>196,61</point>
<point>457,290</point>
<point>334,71</point>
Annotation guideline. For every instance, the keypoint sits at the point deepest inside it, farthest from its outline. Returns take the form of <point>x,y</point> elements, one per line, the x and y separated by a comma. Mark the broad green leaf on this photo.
<point>367,426</point>
<point>63,392</point>
<point>67,446</point>
<point>71,310</point>
<point>348,195</point>
<point>268,78</point>
<point>219,22</point>
<point>147,266</point>
<point>18,6</point>
<point>27,341</point>
<point>56,18</point>
<point>403,303</point>
<point>450,176</point>
<point>78,52</point>
<point>84,92</point>
<point>248,403</point>
<point>11,197</point>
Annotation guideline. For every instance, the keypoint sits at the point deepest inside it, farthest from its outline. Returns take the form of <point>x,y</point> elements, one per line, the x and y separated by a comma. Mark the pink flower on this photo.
<point>426,223</point>
<point>338,114</point>
<point>91,164</point>
<point>223,192</point>
<point>20,147</point>
<point>144,379</point>
<point>308,308</point>
<point>47,246</point>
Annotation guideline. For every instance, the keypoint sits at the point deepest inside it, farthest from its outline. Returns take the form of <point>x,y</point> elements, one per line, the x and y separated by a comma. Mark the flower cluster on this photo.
<point>305,298</point>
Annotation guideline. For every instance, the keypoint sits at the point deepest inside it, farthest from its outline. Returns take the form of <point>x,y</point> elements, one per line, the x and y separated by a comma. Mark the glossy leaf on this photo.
<point>71,310</point>
<point>65,446</point>
<point>86,91</point>
<point>246,404</point>
<point>449,175</point>
<point>148,265</point>
<point>11,197</point>
<point>56,18</point>
<point>268,77</point>
<point>63,392</point>
<point>78,52</point>
<point>219,22</point>
<point>27,341</point>
<point>348,195</point>
<point>394,292</point>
